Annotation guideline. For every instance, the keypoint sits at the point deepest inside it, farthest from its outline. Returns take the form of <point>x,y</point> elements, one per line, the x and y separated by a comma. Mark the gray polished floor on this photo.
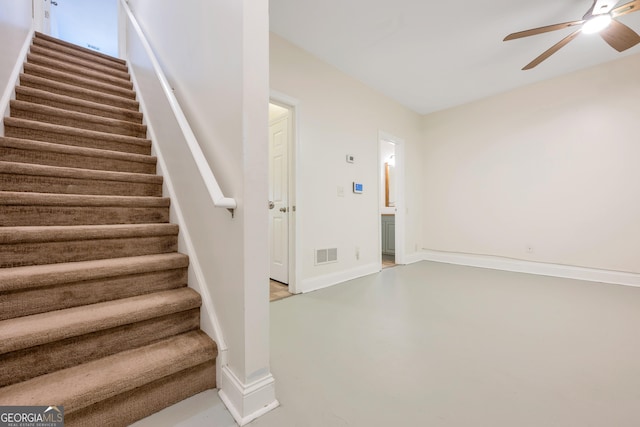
<point>440,345</point>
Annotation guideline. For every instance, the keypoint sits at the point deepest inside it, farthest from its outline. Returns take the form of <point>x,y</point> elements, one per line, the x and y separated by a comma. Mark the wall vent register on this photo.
<point>326,256</point>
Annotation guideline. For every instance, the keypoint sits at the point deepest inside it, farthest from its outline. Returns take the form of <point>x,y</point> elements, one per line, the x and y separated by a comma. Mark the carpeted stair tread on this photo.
<point>67,67</point>
<point>36,234</point>
<point>24,209</point>
<point>38,131</point>
<point>37,245</point>
<point>8,198</point>
<point>65,89</point>
<point>57,116</point>
<point>128,407</point>
<point>46,153</point>
<point>31,289</point>
<point>62,46</point>
<point>35,276</point>
<point>78,61</point>
<point>75,173</point>
<point>87,384</point>
<point>79,81</point>
<point>62,354</point>
<point>38,96</point>
<point>38,329</point>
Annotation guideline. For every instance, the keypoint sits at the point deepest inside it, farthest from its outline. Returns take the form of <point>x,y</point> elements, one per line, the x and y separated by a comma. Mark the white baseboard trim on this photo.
<point>532,267</point>
<point>413,258</point>
<point>246,402</point>
<point>9,90</point>
<point>321,282</point>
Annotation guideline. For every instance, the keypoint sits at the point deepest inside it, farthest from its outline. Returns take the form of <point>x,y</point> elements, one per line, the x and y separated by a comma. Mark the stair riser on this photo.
<point>70,79</point>
<point>88,65</point>
<point>124,115</point>
<point>40,300</point>
<point>126,408</point>
<point>79,54</point>
<point>14,216</point>
<point>28,363</point>
<point>75,140</point>
<point>119,129</point>
<point>79,93</point>
<point>10,154</point>
<point>52,184</point>
<point>67,67</point>
<point>23,254</point>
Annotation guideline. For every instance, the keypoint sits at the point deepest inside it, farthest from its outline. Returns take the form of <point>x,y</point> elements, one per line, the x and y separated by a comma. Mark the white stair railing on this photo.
<point>218,198</point>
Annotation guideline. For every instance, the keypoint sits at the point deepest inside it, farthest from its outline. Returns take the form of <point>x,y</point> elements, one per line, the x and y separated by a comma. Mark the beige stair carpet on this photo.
<point>95,309</point>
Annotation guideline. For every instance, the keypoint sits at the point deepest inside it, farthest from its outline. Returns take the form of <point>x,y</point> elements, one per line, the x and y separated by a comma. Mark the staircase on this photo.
<point>95,312</point>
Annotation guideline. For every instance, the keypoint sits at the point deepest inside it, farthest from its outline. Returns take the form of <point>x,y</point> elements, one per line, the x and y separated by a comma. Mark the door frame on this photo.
<point>291,104</point>
<point>401,209</point>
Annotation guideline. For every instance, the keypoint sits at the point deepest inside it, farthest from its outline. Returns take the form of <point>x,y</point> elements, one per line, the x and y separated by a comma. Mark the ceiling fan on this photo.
<point>600,18</point>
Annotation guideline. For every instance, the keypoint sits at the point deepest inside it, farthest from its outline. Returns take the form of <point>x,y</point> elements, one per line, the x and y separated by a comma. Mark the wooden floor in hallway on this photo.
<point>278,291</point>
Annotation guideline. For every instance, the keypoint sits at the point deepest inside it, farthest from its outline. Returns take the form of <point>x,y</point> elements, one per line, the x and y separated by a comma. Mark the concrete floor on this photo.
<point>441,345</point>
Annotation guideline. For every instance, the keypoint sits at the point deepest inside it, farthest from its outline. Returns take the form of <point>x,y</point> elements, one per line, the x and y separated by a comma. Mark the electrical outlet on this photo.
<point>357,253</point>
<point>529,249</point>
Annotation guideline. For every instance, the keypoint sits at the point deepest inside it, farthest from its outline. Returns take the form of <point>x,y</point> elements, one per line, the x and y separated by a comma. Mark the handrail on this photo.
<point>218,198</point>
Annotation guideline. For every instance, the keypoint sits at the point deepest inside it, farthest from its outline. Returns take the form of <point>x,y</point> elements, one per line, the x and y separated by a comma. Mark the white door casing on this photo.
<point>278,198</point>
<point>42,16</point>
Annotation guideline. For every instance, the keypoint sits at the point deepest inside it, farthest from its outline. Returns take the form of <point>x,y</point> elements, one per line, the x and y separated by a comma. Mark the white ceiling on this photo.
<point>431,55</point>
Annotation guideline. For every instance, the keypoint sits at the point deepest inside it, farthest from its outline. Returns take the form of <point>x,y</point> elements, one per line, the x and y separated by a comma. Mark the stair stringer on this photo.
<point>9,92</point>
<point>209,321</point>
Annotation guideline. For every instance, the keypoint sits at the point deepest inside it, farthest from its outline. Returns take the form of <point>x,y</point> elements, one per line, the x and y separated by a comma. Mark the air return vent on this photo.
<point>326,256</point>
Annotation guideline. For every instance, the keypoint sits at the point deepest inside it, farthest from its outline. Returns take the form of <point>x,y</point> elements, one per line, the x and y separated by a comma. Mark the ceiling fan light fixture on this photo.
<point>596,24</point>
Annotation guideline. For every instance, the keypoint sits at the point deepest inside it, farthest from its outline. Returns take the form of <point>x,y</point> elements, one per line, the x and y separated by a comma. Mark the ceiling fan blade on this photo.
<point>553,49</point>
<point>540,30</point>
<point>619,36</point>
<point>632,6</point>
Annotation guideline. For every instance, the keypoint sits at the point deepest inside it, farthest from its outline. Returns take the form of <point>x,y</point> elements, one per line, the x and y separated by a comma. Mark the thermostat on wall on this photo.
<point>357,187</point>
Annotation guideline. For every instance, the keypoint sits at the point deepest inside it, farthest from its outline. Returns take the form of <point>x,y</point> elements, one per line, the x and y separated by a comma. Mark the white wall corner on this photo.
<point>9,91</point>
<point>326,280</point>
<point>532,267</point>
<point>246,402</point>
<point>413,258</point>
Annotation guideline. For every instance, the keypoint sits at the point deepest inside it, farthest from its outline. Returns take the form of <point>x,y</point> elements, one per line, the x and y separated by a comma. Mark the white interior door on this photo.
<point>278,199</point>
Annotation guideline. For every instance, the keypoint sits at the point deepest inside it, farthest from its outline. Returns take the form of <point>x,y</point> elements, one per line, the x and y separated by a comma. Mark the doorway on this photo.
<point>282,207</point>
<point>90,24</point>
<point>391,196</point>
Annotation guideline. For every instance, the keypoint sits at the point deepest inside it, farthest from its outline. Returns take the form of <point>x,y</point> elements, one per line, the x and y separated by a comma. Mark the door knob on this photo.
<point>283,209</point>
<point>271,205</point>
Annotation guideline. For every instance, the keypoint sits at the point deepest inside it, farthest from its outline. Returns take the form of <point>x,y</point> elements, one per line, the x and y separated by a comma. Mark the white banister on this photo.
<point>218,198</point>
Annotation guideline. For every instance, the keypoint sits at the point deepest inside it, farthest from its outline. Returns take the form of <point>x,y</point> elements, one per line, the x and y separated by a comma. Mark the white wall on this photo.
<point>15,27</point>
<point>215,56</point>
<point>552,167</point>
<point>337,115</point>
<point>91,24</point>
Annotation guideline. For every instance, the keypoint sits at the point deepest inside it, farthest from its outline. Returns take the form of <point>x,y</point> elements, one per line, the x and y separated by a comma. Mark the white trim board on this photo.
<point>532,267</point>
<point>14,79</point>
<point>246,401</point>
<point>320,282</point>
